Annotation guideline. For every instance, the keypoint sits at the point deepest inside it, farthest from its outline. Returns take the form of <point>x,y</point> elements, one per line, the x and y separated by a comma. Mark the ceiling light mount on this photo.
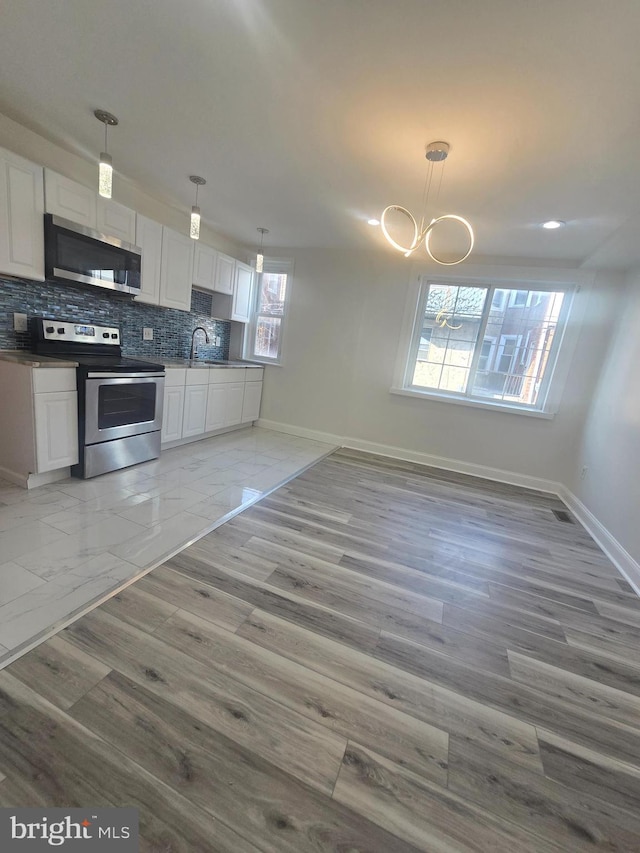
<point>260,256</point>
<point>105,169</point>
<point>194,228</point>
<point>436,152</point>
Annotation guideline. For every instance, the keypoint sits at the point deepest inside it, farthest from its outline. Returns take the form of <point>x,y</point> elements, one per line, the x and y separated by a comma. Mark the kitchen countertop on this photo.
<point>197,363</point>
<point>29,359</point>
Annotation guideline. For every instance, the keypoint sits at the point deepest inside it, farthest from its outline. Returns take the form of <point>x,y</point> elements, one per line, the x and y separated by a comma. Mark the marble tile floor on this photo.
<point>69,545</point>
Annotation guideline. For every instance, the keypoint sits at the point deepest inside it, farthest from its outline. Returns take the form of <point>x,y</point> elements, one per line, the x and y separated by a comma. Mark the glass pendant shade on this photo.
<point>105,175</point>
<point>259,254</point>
<point>194,231</point>
<point>105,169</point>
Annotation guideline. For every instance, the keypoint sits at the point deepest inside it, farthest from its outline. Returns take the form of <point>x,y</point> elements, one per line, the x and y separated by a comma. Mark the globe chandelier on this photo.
<point>436,152</point>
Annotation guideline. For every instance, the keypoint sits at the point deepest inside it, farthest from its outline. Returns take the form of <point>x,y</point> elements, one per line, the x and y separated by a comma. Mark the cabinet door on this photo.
<point>204,266</point>
<point>251,402</point>
<point>21,211</point>
<point>172,413</point>
<point>149,239</point>
<point>176,271</point>
<point>225,268</point>
<point>235,398</point>
<point>216,407</point>
<point>56,416</point>
<point>69,199</point>
<point>242,293</point>
<point>195,410</point>
<point>116,220</point>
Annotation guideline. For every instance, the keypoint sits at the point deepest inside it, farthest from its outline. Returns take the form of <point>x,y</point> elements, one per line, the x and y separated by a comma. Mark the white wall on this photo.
<point>36,148</point>
<point>340,349</point>
<point>610,443</point>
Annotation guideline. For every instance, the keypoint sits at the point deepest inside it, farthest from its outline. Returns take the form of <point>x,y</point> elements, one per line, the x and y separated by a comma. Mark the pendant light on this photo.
<point>260,256</point>
<point>436,152</point>
<point>105,169</point>
<point>194,230</point>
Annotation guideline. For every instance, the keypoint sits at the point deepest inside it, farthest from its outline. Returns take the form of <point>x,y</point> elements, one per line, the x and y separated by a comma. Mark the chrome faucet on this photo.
<point>193,340</point>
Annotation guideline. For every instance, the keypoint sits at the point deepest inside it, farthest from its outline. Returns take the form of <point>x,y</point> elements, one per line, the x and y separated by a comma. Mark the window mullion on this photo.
<point>477,350</point>
<point>417,330</point>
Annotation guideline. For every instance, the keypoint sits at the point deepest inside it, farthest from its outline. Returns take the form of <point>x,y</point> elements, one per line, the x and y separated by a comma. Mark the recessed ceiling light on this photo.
<point>373,222</point>
<point>553,223</point>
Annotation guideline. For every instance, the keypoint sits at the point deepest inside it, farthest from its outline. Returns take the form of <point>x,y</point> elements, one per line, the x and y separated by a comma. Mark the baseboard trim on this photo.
<point>31,481</point>
<point>497,474</point>
<point>619,556</point>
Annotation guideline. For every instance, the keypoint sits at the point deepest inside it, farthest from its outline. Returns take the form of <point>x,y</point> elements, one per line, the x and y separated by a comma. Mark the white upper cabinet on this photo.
<point>116,220</point>
<point>241,310</point>
<point>21,212</point>
<point>149,239</point>
<point>69,199</point>
<point>204,266</point>
<point>176,271</point>
<point>225,271</point>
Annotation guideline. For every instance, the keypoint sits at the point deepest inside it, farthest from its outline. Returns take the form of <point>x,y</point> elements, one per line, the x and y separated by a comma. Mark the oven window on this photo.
<point>126,404</point>
<point>85,256</point>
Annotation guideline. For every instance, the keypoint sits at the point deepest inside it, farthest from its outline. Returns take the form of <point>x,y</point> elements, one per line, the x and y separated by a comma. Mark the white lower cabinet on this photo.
<point>56,416</point>
<point>251,401</point>
<point>198,402</point>
<point>216,407</point>
<point>235,392</point>
<point>195,410</point>
<point>173,413</point>
<point>39,428</point>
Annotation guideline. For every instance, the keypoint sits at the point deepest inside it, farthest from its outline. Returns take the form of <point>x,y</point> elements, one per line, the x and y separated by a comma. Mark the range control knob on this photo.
<point>115,337</point>
<point>105,334</point>
<point>61,331</point>
<point>49,329</point>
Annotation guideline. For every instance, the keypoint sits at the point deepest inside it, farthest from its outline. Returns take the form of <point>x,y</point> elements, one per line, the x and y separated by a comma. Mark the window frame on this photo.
<point>276,266</point>
<point>570,282</point>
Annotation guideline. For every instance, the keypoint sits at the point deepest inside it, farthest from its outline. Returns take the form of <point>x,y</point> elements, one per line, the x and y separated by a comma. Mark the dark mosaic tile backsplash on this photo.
<point>171,329</point>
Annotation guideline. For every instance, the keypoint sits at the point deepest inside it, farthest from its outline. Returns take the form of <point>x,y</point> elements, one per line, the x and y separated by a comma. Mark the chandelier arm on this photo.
<point>427,235</point>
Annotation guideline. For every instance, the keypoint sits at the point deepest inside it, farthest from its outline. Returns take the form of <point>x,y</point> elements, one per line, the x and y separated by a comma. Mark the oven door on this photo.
<point>120,405</point>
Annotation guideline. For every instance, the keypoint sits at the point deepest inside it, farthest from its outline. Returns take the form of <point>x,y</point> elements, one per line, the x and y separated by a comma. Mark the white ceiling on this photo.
<point>309,116</point>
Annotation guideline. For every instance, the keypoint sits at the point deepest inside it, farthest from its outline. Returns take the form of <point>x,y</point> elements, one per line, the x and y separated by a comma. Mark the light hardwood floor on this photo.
<point>376,657</point>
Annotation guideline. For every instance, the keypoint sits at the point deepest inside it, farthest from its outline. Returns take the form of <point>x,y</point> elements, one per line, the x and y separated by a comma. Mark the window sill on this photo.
<point>476,404</point>
<point>265,362</point>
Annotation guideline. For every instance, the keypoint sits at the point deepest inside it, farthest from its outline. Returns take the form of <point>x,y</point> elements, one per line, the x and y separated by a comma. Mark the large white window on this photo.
<point>486,343</point>
<point>266,329</point>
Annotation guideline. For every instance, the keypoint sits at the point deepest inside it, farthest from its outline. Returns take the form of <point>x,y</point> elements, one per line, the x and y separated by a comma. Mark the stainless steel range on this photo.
<point>119,399</point>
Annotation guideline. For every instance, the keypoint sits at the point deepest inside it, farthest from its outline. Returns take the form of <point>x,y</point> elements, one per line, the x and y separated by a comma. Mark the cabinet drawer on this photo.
<point>226,374</point>
<point>197,376</point>
<point>254,374</point>
<point>174,376</point>
<point>47,379</point>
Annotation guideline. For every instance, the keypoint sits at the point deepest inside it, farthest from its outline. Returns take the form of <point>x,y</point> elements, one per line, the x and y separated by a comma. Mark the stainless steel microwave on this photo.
<point>75,253</point>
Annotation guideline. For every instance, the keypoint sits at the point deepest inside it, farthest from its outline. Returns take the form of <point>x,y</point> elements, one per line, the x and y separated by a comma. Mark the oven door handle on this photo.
<point>125,375</point>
